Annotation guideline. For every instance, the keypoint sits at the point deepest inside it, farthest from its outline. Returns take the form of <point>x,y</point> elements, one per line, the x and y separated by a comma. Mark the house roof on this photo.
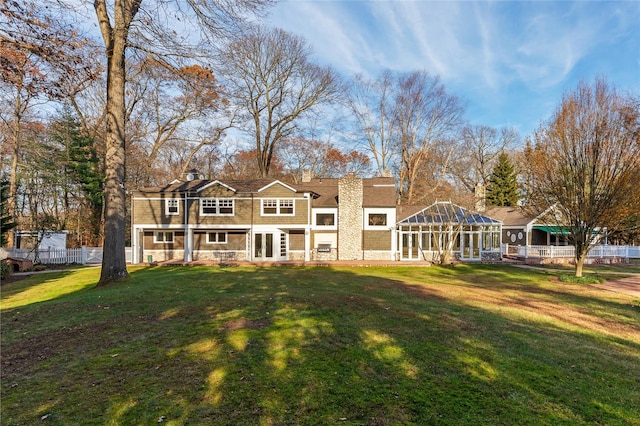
<point>325,188</point>
<point>241,186</point>
<point>447,213</point>
<point>379,192</point>
<point>376,192</point>
<point>510,216</point>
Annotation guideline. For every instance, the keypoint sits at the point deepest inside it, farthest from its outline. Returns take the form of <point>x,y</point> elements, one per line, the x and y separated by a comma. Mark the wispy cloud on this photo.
<point>505,50</point>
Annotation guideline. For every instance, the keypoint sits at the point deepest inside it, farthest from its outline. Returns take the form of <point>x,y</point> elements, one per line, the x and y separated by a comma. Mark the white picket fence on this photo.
<point>82,255</point>
<point>600,251</point>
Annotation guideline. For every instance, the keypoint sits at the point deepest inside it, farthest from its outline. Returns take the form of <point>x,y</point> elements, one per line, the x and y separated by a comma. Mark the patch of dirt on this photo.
<point>630,285</point>
<point>12,278</point>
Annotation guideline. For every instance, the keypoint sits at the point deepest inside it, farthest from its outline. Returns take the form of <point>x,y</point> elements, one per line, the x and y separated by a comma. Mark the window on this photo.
<point>286,206</point>
<point>377,219</point>
<point>325,219</point>
<point>172,206</point>
<point>216,207</point>
<point>163,237</point>
<point>216,237</point>
<point>277,207</point>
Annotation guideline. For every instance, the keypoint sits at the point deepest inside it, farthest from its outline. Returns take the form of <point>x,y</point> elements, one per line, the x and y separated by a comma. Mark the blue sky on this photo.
<point>511,61</point>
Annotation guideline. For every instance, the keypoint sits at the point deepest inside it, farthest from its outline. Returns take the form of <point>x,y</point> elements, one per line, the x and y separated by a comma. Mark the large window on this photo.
<point>172,206</point>
<point>325,219</point>
<point>377,219</point>
<point>216,237</point>
<point>216,207</point>
<point>163,237</point>
<point>278,207</point>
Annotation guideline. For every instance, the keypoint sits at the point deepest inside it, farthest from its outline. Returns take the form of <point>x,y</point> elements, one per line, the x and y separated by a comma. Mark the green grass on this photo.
<point>350,346</point>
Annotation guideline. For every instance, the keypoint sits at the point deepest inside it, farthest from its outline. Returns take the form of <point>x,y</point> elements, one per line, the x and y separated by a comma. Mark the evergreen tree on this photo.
<point>503,184</point>
<point>84,168</point>
<point>6,221</point>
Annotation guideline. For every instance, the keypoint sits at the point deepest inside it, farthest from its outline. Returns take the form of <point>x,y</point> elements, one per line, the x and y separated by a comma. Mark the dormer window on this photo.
<point>172,206</point>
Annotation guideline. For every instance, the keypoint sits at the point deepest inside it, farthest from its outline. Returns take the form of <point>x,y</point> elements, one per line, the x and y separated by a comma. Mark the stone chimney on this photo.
<point>481,198</point>
<point>350,218</point>
<point>306,175</point>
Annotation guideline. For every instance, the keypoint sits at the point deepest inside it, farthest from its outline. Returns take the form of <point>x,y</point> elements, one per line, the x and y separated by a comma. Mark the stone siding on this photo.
<point>350,218</point>
<point>377,255</point>
<point>324,256</point>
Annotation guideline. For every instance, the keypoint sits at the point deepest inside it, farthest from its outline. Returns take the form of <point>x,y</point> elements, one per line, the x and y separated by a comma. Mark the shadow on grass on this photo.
<point>319,346</point>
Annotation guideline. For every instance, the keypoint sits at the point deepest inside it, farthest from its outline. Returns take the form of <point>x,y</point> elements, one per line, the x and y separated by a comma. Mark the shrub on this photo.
<point>587,279</point>
<point>5,269</point>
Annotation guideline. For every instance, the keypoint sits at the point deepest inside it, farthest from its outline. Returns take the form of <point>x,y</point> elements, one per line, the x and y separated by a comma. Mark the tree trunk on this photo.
<point>113,257</point>
<point>580,258</point>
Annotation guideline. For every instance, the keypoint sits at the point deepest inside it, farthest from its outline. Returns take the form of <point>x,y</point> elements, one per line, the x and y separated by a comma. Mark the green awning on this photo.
<point>553,230</point>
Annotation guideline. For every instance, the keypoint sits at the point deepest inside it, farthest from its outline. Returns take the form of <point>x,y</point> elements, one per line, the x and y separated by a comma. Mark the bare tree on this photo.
<point>403,120</point>
<point>152,32</point>
<point>586,162</point>
<point>425,114</point>
<point>271,75</point>
<point>371,104</point>
<point>479,148</point>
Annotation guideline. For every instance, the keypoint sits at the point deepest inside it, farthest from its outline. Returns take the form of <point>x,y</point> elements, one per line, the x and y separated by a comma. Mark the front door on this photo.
<point>263,246</point>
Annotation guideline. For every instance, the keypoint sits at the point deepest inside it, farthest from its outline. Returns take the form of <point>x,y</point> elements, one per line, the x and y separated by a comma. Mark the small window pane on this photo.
<point>286,206</point>
<point>270,206</point>
<point>225,206</point>
<point>209,206</point>
<point>325,219</point>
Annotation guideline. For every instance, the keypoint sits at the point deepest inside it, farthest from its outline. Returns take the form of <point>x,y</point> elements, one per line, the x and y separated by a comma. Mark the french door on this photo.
<point>263,246</point>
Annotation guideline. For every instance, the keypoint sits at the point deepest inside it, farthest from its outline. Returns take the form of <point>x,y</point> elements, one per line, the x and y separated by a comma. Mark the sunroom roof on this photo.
<point>448,213</point>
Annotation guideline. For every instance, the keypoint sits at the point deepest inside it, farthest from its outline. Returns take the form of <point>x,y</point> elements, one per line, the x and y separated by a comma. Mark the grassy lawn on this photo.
<point>347,346</point>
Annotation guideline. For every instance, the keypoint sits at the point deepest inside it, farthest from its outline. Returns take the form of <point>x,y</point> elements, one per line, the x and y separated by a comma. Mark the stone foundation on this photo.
<point>491,256</point>
<point>162,255</point>
<point>219,255</point>
<point>324,256</point>
<point>377,255</point>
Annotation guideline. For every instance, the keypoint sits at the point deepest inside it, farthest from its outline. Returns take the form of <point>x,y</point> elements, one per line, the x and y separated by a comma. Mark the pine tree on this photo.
<point>6,221</point>
<point>503,184</point>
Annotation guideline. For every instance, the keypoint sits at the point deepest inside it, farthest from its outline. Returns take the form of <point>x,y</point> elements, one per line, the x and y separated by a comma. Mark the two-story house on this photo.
<point>265,220</point>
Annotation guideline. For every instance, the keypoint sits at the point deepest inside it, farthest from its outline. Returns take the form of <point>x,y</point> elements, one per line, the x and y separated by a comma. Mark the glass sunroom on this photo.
<point>444,228</point>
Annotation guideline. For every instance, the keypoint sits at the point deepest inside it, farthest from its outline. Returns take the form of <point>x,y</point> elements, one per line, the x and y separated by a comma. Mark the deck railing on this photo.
<point>600,251</point>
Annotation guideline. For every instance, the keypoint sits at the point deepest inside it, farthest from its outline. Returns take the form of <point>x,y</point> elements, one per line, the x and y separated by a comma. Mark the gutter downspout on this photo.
<point>187,240</point>
<point>251,230</point>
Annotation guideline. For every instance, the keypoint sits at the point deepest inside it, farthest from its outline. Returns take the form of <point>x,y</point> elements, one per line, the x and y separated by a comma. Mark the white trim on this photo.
<point>217,233</point>
<point>277,182</point>
<point>216,182</point>
<point>217,206</point>
<point>391,218</point>
<point>167,206</point>
<point>278,206</point>
<point>164,233</point>
<point>324,210</point>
